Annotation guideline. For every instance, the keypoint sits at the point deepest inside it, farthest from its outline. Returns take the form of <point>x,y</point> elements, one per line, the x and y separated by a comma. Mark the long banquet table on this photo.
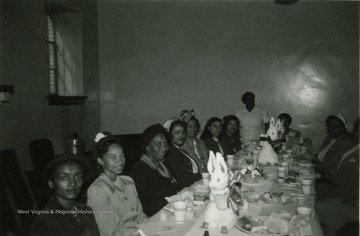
<point>192,227</point>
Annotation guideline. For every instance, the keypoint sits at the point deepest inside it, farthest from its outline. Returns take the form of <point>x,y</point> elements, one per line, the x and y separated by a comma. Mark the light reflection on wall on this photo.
<point>307,87</point>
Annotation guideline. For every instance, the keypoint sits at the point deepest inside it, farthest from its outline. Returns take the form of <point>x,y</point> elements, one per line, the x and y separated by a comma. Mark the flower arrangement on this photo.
<point>251,170</point>
<point>250,174</point>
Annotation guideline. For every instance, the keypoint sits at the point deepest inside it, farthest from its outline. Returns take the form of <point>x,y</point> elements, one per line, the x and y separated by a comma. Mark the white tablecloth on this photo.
<point>192,227</point>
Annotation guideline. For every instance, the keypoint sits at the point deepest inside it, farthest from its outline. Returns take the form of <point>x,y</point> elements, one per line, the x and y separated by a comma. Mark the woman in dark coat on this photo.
<point>336,143</point>
<point>185,169</point>
<point>62,215</point>
<point>230,135</point>
<point>211,135</point>
<point>153,179</point>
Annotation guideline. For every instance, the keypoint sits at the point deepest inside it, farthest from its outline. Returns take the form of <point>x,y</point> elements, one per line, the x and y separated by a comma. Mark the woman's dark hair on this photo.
<point>175,123</point>
<point>227,119</point>
<point>285,116</point>
<point>103,144</point>
<point>102,147</point>
<point>206,132</point>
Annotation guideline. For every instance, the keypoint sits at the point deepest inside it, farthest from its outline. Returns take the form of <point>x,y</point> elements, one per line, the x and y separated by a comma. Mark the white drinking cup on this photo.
<point>304,211</point>
<point>303,150</point>
<point>163,216</point>
<point>301,140</point>
<point>285,165</point>
<point>301,200</point>
<point>180,212</point>
<point>230,160</point>
<point>206,178</point>
<point>306,185</point>
<point>281,172</point>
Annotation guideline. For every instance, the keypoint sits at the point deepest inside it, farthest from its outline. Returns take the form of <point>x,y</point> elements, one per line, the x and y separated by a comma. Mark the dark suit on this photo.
<point>230,145</point>
<point>53,223</point>
<point>212,145</point>
<point>152,187</point>
<point>181,167</point>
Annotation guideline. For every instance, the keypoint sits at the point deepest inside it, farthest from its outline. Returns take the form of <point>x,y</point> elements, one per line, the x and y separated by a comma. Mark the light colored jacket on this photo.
<point>116,205</point>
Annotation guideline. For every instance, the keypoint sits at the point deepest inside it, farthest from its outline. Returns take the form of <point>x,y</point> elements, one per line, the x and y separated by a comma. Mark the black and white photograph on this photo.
<point>179,117</point>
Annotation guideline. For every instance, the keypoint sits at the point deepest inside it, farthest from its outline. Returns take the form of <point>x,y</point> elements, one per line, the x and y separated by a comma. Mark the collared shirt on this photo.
<point>120,205</point>
<point>252,123</point>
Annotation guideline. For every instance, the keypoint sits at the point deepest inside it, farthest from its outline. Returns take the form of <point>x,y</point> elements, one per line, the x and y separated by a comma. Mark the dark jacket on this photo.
<point>181,167</point>
<point>346,176</point>
<point>337,150</point>
<point>54,221</point>
<point>230,145</point>
<point>152,187</point>
<point>212,145</point>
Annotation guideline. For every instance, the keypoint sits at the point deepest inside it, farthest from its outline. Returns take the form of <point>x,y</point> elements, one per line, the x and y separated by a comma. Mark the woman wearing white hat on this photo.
<point>336,143</point>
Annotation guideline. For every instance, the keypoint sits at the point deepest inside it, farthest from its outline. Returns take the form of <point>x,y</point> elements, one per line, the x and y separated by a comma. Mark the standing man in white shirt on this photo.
<point>254,120</point>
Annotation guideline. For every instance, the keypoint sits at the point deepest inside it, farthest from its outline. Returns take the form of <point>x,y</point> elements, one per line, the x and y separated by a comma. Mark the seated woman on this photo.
<point>346,174</point>
<point>286,120</point>
<point>184,167</point>
<point>337,204</point>
<point>211,135</point>
<point>152,178</point>
<point>336,143</point>
<point>65,176</point>
<point>112,192</point>
<point>193,146</point>
<point>230,135</point>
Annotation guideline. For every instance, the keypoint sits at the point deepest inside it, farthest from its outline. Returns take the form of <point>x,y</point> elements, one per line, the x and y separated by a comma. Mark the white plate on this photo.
<point>252,198</point>
<point>260,182</point>
<point>290,185</point>
<point>256,234</point>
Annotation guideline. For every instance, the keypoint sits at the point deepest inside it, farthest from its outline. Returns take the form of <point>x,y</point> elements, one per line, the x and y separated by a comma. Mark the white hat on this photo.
<point>348,125</point>
<point>168,123</point>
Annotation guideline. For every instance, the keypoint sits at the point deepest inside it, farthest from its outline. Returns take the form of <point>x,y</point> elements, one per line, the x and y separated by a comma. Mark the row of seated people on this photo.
<point>170,163</point>
<point>118,202</point>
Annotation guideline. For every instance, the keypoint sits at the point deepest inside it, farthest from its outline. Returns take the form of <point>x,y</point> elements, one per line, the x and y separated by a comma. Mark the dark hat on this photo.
<point>87,171</point>
<point>149,133</point>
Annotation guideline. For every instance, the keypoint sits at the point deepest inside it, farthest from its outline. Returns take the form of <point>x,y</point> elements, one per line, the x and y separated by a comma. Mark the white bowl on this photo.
<point>306,181</point>
<point>304,210</point>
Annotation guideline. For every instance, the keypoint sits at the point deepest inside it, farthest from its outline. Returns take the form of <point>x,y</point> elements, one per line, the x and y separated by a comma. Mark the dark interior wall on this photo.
<point>157,58</point>
<point>24,54</point>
